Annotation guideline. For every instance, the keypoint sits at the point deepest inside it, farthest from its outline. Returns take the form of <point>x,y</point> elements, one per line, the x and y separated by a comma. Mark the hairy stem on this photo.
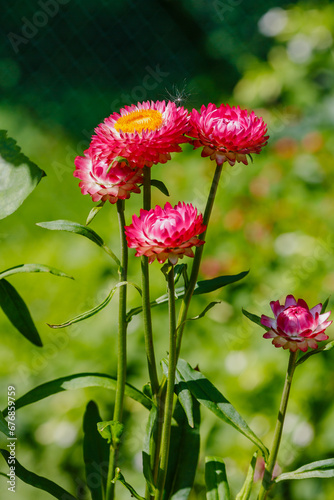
<point>266,483</point>
<point>121,360</point>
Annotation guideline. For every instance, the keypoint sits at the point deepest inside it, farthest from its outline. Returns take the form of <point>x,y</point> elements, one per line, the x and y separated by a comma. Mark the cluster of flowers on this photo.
<point>146,134</point>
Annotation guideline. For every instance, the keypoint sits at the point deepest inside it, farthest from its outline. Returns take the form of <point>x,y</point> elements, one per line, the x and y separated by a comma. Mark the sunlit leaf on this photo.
<point>321,468</point>
<point>246,490</point>
<point>33,268</point>
<point>18,175</point>
<point>17,312</point>
<point>96,453</point>
<point>94,211</point>
<point>78,381</point>
<point>215,479</point>
<point>38,481</point>
<point>325,347</point>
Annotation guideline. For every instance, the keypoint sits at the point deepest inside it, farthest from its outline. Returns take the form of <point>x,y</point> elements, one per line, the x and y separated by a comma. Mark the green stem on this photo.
<point>266,483</point>
<point>166,429</point>
<point>197,261</point>
<point>121,360</point>
<point>148,333</point>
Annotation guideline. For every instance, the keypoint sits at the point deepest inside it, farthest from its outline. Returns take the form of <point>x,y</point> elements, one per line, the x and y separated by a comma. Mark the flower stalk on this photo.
<point>168,411</point>
<point>121,359</point>
<point>266,483</point>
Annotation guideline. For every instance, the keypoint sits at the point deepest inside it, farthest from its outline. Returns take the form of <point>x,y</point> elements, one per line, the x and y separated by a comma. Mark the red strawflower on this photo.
<point>165,233</point>
<point>227,133</point>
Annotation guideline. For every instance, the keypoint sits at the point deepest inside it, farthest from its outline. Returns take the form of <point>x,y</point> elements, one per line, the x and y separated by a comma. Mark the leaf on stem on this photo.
<point>254,318</point>
<point>119,477</point>
<point>4,425</point>
<point>74,227</point>
<point>148,449</point>
<point>88,314</point>
<point>38,481</point>
<point>94,211</point>
<point>183,454</point>
<point>18,175</point>
<point>161,186</point>
<point>180,270</point>
<point>208,395</point>
<point>111,430</point>
<point>96,453</point>
<point>216,480</point>
<point>326,347</point>
<point>324,305</point>
<point>18,313</point>
<point>33,268</point>
<point>246,490</point>
<point>78,381</point>
<point>321,468</point>
<point>183,393</point>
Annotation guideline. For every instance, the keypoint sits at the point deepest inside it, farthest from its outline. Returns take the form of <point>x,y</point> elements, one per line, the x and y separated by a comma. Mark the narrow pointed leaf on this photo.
<point>183,454</point>
<point>87,314</point>
<point>254,318</point>
<point>215,479</point>
<point>18,175</point>
<point>96,452</point>
<point>33,268</point>
<point>203,313</point>
<point>200,288</point>
<point>324,305</point>
<point>181,389</point>
<point>119,477</point>
<point>321,468</point>
<point>18,313</point>
<point>74,227</point>
<point>161,186</point>
<point>246,490</point>
<point>208,395</point>
<point>326,347</point>
<point>78,381</point>
<point>94,211</point>
<point>148,449</point>
<point>4,425</point>
<point>179,271</point>
<point>38,481</point>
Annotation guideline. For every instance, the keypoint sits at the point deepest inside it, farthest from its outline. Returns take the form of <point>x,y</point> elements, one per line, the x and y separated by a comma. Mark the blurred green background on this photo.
<point>65,66</point>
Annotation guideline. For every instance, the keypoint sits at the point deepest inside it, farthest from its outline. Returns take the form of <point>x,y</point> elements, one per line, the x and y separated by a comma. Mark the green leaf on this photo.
<point>94,211</point>
<point>33,268</point>
<point>87,314</point>
<point>200,288</point>
<point>161,186</point>
<point>254,318</point>
<point>203,313</point>
<point>321,468</point>
<point>74,227</point>
<point>4,425</point>
<point>18,175</point>
<point>38,481</point>
<point>215,479</point>
<point>185,397</point>
<point>111,430</point>
<point>119,477</point>
<point>78,381</point>
<point>183,454</point>
<point>326,347</point>
<point>324,305</point>
<point>149,449</point>
<point>179,271</point>
<point>208,395</point>
<point>96,453</point>
<point>246,490</point>
<point>17,312</point>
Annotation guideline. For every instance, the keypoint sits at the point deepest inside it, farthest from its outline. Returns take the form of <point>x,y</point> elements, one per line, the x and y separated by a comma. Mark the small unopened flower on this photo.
<point>295,326</point>
<point>227,133</point>
<point>166,233</point>
<point>106,181</point>
<point>145,133</point>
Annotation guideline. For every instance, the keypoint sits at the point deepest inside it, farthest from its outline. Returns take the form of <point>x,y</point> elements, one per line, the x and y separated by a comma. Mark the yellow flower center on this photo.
<point>137,121</point>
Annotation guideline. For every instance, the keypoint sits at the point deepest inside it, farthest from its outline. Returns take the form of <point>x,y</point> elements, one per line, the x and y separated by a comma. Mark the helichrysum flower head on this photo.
<point>295,326</point>
<point>166,233</point>
<point>145,133</point>
<point>106,181</point>
<point>227,133</point>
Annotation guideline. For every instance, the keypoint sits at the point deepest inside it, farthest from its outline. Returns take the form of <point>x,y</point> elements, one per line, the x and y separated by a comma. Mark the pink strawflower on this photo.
<point>145,133</point>
<point>166,233</point>
<point>227,133</point>
<point>106,181</point>
<point>295,326</point>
